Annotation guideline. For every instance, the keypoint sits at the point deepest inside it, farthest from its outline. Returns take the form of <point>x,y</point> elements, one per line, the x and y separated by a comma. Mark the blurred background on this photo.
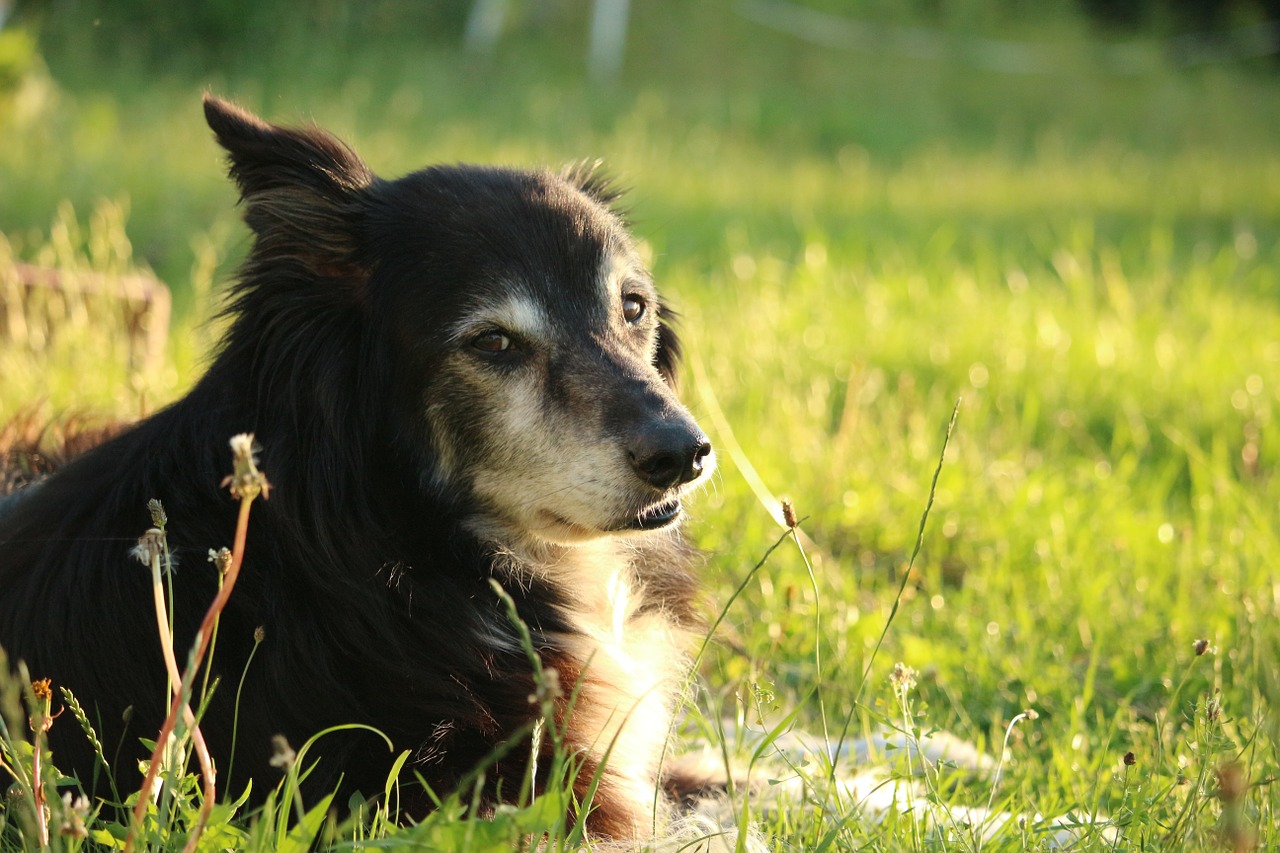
<point>1066,214</point>
<point>91,92</point>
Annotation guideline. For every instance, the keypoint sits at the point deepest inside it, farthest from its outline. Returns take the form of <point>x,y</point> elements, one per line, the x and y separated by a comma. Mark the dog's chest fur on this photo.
<point>632,653</point>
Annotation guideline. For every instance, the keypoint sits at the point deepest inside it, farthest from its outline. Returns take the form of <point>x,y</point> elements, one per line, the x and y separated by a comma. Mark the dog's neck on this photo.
<point>631,651</point>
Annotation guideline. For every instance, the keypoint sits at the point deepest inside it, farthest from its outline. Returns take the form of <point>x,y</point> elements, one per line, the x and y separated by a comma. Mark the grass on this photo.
<point>1090,263</point>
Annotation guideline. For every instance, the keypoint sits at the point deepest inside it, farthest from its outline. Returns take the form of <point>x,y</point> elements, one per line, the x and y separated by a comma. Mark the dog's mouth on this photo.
<point>657,516</point>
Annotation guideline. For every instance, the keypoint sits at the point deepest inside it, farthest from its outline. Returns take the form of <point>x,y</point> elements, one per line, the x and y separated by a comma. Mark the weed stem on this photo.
<point>246,484</point>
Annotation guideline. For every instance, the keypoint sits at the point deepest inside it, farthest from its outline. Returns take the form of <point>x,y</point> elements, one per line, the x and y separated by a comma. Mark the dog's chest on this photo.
<point>632,658</point>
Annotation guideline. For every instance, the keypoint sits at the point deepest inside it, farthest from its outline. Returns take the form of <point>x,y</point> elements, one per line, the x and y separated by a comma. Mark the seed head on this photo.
<point>221,559</point>
<point>1130,759</point>
<point>1200,647</point>
<point>246,481</point>
<point>150,546</point>
<point>1212,706</point>
<point>547,688</point>
<point>74,812</point>
<point>903,678</point>
<point>789,514</point>
<point>41,690</point>
<point>259,634</point>
<point>282,755</point>
<point>158,516</point>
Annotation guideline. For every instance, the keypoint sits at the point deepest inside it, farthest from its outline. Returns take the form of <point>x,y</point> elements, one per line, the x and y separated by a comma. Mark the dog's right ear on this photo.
<point>301,188</point>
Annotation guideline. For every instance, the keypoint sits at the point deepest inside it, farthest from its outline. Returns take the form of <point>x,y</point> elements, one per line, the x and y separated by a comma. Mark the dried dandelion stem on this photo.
<point>152,545</point>
<point>246,483</point>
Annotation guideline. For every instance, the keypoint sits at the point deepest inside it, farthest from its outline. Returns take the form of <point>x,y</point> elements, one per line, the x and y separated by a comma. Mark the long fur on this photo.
<point>399,476</point>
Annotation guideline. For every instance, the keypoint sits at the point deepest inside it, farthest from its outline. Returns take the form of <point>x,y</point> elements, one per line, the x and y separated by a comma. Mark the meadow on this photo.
<point>1083,264</point>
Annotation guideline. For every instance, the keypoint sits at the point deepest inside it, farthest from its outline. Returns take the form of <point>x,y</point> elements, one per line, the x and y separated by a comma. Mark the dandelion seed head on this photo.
<point>246,482</point>
<point>150,546</point>
<point>243,446</point>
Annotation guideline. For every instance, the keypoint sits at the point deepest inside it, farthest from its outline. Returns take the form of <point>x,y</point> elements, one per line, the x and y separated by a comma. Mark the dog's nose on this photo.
<point>670,457</point>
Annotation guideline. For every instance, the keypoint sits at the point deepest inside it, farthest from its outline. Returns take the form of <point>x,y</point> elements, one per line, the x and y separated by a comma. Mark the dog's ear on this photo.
<point>302,188</point>
<point>667,358</point>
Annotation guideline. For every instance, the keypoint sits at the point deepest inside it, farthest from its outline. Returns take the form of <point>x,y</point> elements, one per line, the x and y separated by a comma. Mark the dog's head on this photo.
<point>533,363</point>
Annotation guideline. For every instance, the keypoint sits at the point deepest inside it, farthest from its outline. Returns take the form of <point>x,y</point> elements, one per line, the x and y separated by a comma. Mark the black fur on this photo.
<point>373,596</point>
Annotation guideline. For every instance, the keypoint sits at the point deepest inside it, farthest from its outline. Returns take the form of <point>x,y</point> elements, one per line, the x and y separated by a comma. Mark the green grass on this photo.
<point>1090,263</point>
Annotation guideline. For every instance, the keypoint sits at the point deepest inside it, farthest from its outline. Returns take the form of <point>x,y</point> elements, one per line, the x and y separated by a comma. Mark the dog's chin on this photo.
<point>656,517</point>
<point>556,529</point>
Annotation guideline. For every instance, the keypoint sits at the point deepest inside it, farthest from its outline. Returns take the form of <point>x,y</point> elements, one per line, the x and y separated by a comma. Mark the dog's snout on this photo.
<point>670,456</point>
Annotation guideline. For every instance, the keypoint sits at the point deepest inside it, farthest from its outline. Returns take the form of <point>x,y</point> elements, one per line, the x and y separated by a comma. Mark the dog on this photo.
<point>458,377</point>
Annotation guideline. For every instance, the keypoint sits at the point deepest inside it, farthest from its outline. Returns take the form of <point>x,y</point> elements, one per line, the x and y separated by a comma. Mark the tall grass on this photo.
<point>1091,262</point>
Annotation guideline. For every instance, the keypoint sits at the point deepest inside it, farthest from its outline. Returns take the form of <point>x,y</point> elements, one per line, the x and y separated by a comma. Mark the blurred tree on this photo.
<point>163,25</point>
<point>1204,27</point>
<point>1190,16</point>
<point>18,57</point>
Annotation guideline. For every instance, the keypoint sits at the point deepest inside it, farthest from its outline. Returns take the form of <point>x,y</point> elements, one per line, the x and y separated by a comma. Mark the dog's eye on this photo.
<point>491,341</point>
<point>632,308</point>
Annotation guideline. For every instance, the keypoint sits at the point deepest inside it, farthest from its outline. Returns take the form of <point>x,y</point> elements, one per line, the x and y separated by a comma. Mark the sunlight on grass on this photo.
<point>1105,306</point>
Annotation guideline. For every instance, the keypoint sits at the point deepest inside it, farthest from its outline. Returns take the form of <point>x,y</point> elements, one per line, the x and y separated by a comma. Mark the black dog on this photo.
<point>461,375</point>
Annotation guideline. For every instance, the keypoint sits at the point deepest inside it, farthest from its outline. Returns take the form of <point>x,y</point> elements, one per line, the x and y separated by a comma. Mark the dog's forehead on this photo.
<point>531,219</point>
<point>476,238</point>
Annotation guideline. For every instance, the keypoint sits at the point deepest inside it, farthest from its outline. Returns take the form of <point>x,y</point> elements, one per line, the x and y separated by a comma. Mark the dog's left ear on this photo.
<point>302,188</point>
<point>667,358</point>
